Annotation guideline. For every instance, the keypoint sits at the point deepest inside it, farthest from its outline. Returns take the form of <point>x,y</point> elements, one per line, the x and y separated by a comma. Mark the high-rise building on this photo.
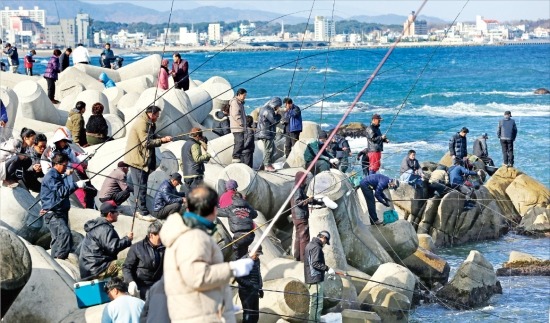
<point>84,32</point>
<point>214,33</point>
<point>37,15</point>
<point>325,29</point>
<point>63,35</point>
<point>414,27</point>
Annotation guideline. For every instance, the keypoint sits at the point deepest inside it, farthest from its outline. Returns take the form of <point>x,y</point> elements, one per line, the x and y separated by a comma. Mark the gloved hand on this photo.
<point>241,267</point>
<point>386,204</point>
<point>261,293</point>
<point>334,161</point>
<point>82,183</point>
<point>236,308</point>
<point>331,272</point>
<point>329,203</point>
<point>133,289</point>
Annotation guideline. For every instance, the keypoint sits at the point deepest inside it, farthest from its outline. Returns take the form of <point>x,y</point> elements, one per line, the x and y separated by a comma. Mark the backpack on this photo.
<point>390,216</point>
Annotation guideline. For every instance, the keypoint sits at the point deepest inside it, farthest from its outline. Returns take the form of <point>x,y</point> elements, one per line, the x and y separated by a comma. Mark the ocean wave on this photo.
<point>503,93</point>
<point>358,144</point>
<point>491,109</point>
<point>327,70</point>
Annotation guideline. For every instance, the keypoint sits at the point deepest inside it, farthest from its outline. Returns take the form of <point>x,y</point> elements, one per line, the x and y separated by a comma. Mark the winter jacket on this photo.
<point>29,60</point>
<point>341,143</point>
<point>100,246</point>
<point>221,124</point>
<point>107,56</point>
<point>64,61</point>
<point>312,150</point>
<point>226,199</point>
<point>457,173</point>
<point>180,73</point>
<point>507,129</point>
<point>155,309</point>
<point>192,159</point>
<point>81,55</point>
<point>196,277</point>
<point>374,138</point>
<point>240,214</point>
<point>314,262</point>
<point>97,125</point>
<point>114,184</point>
<point>13,56</point>
<point>412,164</point>
<point>3,113</point>
<point>439,176</point>
<point>268,119</point>
<point>55,191</point>
<point>237,116</point>
<point>378,183</point>
<point>141,152</point>
<point>62,133</point>
<point>363,155</point>
<point>249,145</point>
<point>299,208</point>
<point>143,264</point>
<point>163,78</point>
<point>293,119</point>
<point>480,147</point>
<point>75,123</point>
<point>252,281</point>
<point>53,68</point>
<point>106,80</point>
<point>457,146</point>
<point>166,194</point>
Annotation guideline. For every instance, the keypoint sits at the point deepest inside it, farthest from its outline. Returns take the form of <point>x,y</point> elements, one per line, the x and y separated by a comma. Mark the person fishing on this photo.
<point>376,141</point>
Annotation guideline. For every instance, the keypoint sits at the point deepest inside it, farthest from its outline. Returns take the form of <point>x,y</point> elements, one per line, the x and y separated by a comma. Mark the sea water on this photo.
<point>425,95</point>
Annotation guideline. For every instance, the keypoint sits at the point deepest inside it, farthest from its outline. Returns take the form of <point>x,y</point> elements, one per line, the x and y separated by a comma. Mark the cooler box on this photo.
<point>90,293</point>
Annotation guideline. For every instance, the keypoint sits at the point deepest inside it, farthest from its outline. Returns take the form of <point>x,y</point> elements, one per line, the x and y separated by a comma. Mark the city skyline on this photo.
<point>444,9</point>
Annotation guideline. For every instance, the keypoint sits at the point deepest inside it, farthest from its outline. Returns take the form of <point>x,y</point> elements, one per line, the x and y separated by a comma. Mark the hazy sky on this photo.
<point>445,9</point>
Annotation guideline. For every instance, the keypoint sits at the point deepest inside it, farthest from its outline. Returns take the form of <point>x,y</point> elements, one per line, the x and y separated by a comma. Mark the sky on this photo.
<point>445,9</point>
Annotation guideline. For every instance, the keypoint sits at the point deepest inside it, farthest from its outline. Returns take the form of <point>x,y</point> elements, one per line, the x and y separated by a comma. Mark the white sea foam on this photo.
<point>358,144</point>
<point>491,109</point>
<point>486,93</point>
<point>327,70</point>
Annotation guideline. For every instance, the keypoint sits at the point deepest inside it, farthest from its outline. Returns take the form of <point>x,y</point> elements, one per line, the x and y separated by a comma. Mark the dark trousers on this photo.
<point>467,191</point>
<point>507,151</point>
<point>51,88</point>
<point>365,169</point>
<point>247,158</point>
<point>139,180</point>
<point>28,70</point>
<point>320,166</point>
<point>290,140</point>
<point>250,301</point>
<point>240,247</point>
<point>371,205</point>
<point>302,238</point>
<point>119,197</point>
<point>62,241</point>
<point>191,183</point>
<point>167,210</point>
<point>238,144</point>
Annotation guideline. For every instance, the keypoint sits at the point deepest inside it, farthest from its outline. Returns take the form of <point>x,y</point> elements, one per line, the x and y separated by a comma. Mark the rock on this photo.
<point>536,221</point>
<point>16,267</point>
<point>542,91</point>
<point>473,284</point>
<point>429,267</point>
<point>138,84</point>
<point>398,238</point>
<point>149,65</point>
<point>428,215</point>
<point>355,316</point>
<point>525,192</point>
<point>497,185</point>
<point>409,199</point>
<point>34,104</point>
<point>450,208</point>
<point>428,166</point>
<point>426,242</point>
<point>523,264</point>
<point>446,160</point>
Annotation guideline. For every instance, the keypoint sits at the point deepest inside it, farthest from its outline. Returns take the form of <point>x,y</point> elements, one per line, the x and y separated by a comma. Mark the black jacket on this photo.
<point>457,146</point>
<point>314,262</point>
<point>64,61</point>
<point>100,246</point>
<point>364,157</point>
<point>221,124</point>
<point>98,125</point>
<point>374,137</point>
<point>166,194</point>
<point>249,146</point>
<point>507,129</point>
<point>254,279</point>
<point>408,163</point>
<point>240,215</point>
<point>480,147</point>
<point>143,264</point>
<point>268,119</point>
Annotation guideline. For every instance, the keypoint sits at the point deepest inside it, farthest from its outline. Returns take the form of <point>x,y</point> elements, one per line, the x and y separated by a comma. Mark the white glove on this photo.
<point>331,272</point>
<point>334,161</point>
<point>329,203</point>
<point>241,267</point>
<point>133,289</point>
<point>82,183</point>
<point>237,308</point>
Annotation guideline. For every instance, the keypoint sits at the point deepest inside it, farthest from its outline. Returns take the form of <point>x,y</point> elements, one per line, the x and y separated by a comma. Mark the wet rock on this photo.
<point>525,192</point>
<point>425,241</point>
<point>398,238</point>
<point>473,284</point>
<point>409,199</point>
<point>542,91</point>
<point>536,221</point>
<point>523,264</point>
<point>429,267</point>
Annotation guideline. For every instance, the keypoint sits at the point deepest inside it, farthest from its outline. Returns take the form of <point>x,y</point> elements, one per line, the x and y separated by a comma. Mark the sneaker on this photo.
<point>510,165</point>
<point>54,101</point>
<point>270,169</point>
<point>378,222</point>
<point>146,217</point>
<point>235,160</point>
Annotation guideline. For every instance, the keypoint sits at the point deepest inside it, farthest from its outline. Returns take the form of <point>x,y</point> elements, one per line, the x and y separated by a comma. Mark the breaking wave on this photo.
<point>503,93</point>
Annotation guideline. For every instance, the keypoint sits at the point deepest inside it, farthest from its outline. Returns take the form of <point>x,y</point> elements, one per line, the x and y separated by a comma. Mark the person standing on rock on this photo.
<point>373,186</point>
<point>162,82</point>
<point>64,59</point>
<point>100,247</point>
<point>507,132</point>
<point>314,273</point>
<point>458,148</point>
<point>29,62</point>
<point>376,141</point>
<point>268,118</point>
<point>115,187</point>
<point>180,72</point>
<point>250,289</point>
<point>481,150</point>
<point>107,56</point>
<point>193,159</point>
<point>293,124</point>
<point>363,156</point>
<point>52,70</point>
<point>123,308</point>
<point>143,265</point>
<point>196,279</point>
<point>13,57</point>
<point>247,156</point>
<point>167,199</point>
<point>411,172</point>
<point>237,122</point>
<point>221,121</point>
<point>140,155</point>
<point>81,55</point>
<point>325,161</point>
<point>54,197</point>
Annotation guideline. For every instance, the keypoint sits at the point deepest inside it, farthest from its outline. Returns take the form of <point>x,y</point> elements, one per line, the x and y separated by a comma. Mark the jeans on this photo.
<point>51,88</point>
<point>139,179</point>
<point>316,294</point>
<point>371,205</point>
<point>269,146</point>
<point>507,151</point>
<point>62,240</point>
<point>290,140</point>
<point>164,212</point>
<point>239,144</point>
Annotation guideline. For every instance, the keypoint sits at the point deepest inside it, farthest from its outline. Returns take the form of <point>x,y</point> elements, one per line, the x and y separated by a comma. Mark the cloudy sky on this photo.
<point>444,9</point>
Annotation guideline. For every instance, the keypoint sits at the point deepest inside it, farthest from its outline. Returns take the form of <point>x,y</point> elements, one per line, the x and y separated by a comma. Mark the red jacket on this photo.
<point>28,61</point>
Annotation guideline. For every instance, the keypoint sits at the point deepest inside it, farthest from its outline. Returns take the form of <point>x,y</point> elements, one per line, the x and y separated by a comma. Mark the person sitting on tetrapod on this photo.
<point>167,199</point>
<point>373,186</point>
<point>116,187</point>
<point>325,161</point>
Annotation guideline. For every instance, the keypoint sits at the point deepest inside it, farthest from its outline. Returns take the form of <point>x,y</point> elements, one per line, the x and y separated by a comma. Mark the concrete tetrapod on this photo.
<point>68,88</point>
<point>284,297</point>
<point>34,104</point>
<point>220,91</point>
<point>181,102</point>
<point>10,80</point>
<point>95,71</point>
<point>15,270</point>
<point>362,250</point>
<point>11,102</point>
<point>136,84</point>
<point>310,132</point>
<point>114,94</point>
<point>89,82</point>
<point>149,65</point>
<point>202,101</point>
<point>91,97</point>
<point>126,105</point>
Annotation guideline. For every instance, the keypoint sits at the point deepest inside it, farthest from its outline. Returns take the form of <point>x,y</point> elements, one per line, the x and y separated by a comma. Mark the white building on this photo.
<point>83,29</point>
<point>38,15</point>
<point>214,33</point>
<point>188,38</point>
<point>247,30</point>
<point>486,25</point>
<point>325,29</point>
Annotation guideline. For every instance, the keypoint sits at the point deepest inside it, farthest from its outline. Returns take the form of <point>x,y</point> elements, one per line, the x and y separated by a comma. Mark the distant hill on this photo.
<point>391,19</point>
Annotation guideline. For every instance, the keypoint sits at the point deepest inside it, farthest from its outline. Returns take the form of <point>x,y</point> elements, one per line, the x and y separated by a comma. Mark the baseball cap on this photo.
<point>176,176</point>
<point>108,206</point>
<point>465,130</point>
<point>231,184</point>
<point>7,45</point>
<point>325,234</point>
<point>508,113</point>
<point>376,116</point>
<point>323,134</point>
<point>121,164</point>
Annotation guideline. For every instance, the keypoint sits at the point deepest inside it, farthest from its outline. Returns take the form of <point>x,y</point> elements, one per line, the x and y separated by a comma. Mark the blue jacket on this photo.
<point>293,119</point>
<point>3,112</point>
<point>55,191</point>
<point>457,146</point>
<point>378,183</point>
<point>13,56</point>
<point>456,174</point>
<point>507,129</point>
<point>166,194</point>
<point>106,80</point>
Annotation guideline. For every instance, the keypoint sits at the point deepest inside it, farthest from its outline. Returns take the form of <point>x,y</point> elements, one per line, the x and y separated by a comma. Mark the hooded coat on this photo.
<point>268,119</point>
<point>62,133</point>
<point>221,124</point>
<point>75,123</point>
<point>196,277</point>
<point>106,80</point>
